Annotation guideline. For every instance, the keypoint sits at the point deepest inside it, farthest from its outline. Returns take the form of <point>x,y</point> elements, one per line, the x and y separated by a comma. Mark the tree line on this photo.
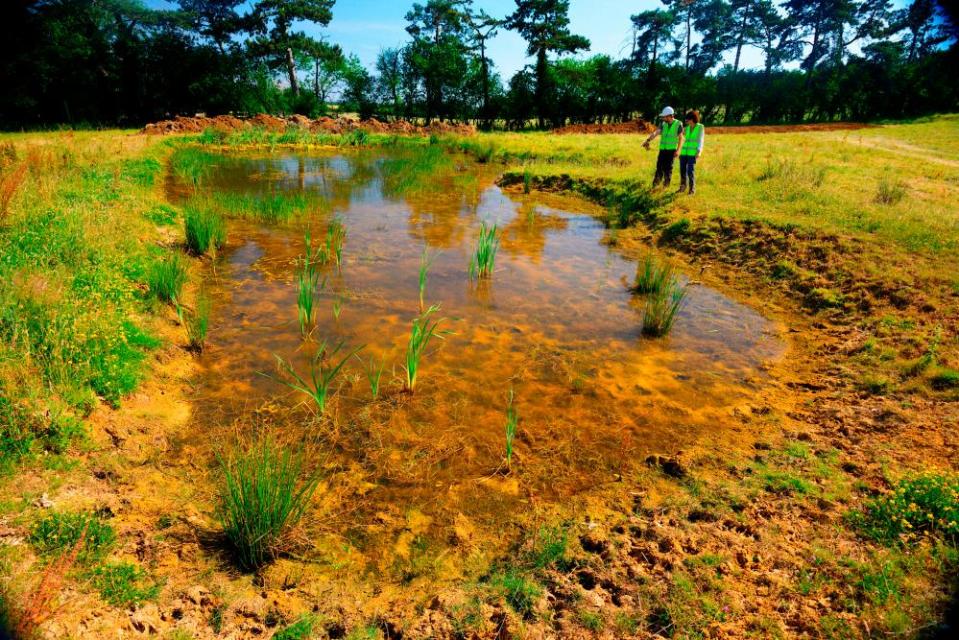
<point>121,62</point>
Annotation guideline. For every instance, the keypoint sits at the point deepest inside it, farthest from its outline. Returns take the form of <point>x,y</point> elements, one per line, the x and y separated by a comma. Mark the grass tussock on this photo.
<point>483,260</point>
<point>167,278</point>
<point>197,323</point>
<point>266,491</point>
<point>205,230</point>
<point>662,307</point>
<point>652,276</point>
<point>891,192</point>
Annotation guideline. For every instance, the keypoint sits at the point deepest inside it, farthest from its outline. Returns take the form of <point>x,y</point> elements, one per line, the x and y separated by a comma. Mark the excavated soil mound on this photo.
<point>633,126</point>
<point>199,124</point>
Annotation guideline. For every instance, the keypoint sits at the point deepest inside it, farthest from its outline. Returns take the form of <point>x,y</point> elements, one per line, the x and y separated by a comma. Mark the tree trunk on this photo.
<point>542,71</point>
<point>291,69</point>
<point>742,37</point>
<point>689,35</point>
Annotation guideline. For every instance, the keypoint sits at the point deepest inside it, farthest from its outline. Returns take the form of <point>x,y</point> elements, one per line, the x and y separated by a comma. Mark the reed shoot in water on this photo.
<point>337,308</point>
<point>653,277</point>
<point>484,256</point>
<point>426,263</point>
<point>662,307</point>
<point>335,239</point>
<point>512,422</point>
<point>424,330</point>
<point>325,366</point>
<point>307,281</point>
<point>374,373</point>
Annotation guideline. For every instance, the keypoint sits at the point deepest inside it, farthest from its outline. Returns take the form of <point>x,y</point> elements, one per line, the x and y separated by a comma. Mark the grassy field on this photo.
<point>853,234</point>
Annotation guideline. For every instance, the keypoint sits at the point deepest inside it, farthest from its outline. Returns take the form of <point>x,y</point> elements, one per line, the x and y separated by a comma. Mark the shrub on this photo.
<point>927,504</point>
<point>890,192</point>
<point>265,492</point>
<point>205,230</point>
<point>167,277</point>
<point>123,585</point>
<point>59,532</point>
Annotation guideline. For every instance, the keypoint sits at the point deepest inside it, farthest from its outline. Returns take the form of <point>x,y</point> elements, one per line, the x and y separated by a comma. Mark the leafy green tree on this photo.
<point>389,80</point>
<point>925,25</point>
<point>217,20</point>
<point>544,24</point>
<point>483,27</point>
<point>272,22</point>
<point>653,32</point>
<point>437,54</point>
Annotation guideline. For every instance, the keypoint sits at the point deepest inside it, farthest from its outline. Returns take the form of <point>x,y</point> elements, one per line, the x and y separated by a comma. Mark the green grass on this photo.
<point>518,590</point>
<point>512,422</point>
<point>197,322</point>
<point>659,314</point>
<point>271,208</point>
<point>324,369</point>
<point>335,239</point>
<point>301,629</point>
<point>425,328</point>
<point>167,277</point>
<point>549,548</point>
<point>426,263</point>
<point>307,283</point>
<point>59,532</point>
<point>483,259</point>
<point>123,584</point>
<point>945,379</point>
<point>192,164</point>
<point>890,192</point>
<point>205,230</point>
<point>917,507</point>
<point>266,490</point>
<point>374,373</point>
<point>652,276</point>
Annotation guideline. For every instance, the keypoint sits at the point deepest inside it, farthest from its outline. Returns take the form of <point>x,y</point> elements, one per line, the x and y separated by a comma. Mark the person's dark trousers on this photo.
<point>687,173</point>
<point>664,168</point>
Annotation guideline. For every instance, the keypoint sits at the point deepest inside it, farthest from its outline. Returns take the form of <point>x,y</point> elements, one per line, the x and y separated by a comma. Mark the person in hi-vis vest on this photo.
<point>670,134</point>
<point>694,139</point>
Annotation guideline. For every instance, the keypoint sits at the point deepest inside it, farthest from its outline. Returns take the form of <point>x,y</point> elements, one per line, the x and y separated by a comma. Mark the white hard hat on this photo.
<point>668,111</point>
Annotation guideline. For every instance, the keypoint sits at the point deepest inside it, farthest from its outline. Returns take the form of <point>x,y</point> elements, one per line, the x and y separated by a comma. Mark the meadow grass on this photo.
<point>205,230</point>
<point>59,532</point>
<point>324,369</point>
<point>266,490</point>
<point>167,277</point>
<point>834,189</point>
<point>122,584</point>
<point>483,259</point>
<point>425,328</point>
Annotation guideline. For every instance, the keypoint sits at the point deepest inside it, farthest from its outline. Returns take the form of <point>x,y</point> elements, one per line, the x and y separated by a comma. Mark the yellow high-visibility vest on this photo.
<point>670,137</point>
<point>691,142</point>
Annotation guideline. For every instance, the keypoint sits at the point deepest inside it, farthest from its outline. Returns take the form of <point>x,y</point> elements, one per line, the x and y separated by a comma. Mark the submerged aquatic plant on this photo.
<point>205,230</point>
<point>374,373</point>
<point>484,255</point>
<point>337,308</point>
<point>426,263</point>
<point>512,422</point>
<point>662,307</point>
<point>324,368</point>
<point>424,330</point>
<point>652,277</point>
<point>265,492</point>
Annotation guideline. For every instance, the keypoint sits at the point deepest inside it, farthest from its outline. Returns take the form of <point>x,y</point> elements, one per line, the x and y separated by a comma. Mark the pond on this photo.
<point>556,324</point>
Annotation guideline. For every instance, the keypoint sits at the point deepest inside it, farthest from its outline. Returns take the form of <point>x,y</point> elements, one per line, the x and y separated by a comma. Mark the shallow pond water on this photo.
<point>557,324</point>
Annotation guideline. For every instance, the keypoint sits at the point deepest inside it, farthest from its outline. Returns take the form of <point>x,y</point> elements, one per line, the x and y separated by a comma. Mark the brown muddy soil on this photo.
<point>199,124</point>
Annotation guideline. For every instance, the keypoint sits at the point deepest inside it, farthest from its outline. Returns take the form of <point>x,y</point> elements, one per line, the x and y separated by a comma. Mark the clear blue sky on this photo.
<point>364,27</point>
